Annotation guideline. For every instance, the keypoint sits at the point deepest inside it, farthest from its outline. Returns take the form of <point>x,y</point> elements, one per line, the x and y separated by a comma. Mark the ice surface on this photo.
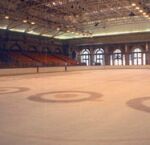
<point>101,107</point>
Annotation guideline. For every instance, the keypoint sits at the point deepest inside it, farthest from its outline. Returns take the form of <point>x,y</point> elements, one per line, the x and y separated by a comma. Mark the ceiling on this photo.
<point>67,19</point>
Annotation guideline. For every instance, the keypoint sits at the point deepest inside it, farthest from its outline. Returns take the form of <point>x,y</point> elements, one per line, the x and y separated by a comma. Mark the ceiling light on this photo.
<point>7,17</point>
<point>25,21</point>
<point>4,27</point>
<point>33,32</point>
<point>58,29</point>
<point>33,23</point>
<point>17,30</point>
<point>137,8</point>
<point>54,3</point>
<point>146,16</point>
<point>141,11</point>
<point>133,4</point>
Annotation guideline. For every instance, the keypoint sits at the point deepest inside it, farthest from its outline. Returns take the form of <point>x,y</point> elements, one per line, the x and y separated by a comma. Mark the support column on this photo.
<point>78,57</point>
<point>70,49</point>
<point>91,56</point>
<point>126,55</point>
<point>147,54</point>
<point>107,56</point>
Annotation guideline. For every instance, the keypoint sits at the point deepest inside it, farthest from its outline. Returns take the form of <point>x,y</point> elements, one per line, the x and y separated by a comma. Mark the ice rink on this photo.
<point>95,107</point>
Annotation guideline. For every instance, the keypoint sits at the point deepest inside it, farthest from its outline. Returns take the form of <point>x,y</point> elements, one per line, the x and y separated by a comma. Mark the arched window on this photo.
<point>137,57</point>
<point>117,58</point>
<point>99,56</point>
<point>85,56</point>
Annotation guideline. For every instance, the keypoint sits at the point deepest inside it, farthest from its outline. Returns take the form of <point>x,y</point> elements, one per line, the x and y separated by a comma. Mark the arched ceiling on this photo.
<point>65,19</point>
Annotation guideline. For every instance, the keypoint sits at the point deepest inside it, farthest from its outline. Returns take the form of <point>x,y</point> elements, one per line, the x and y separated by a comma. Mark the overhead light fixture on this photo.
<point>146,16</point>
<point>133,4</point>
<point>58,29</point>
<point>54,3</point>
<point>46,35</point>
<point>4,27</point>
<point>137,8</point>
<point>141,11</point>
<point>33,32</point>
<point>33,23</point>
<point>6,17</point>
<point>25,21</point>
<point>17,30</point>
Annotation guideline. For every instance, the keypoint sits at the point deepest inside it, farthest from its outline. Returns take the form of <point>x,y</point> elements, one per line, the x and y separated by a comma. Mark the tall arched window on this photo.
<point>117,58</point>
<point>85,56</point>
<point>137,57</point>
<point>99,56</point>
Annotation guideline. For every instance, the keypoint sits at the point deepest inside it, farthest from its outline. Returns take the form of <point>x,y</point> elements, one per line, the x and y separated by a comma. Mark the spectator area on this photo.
<point>30,59</point>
